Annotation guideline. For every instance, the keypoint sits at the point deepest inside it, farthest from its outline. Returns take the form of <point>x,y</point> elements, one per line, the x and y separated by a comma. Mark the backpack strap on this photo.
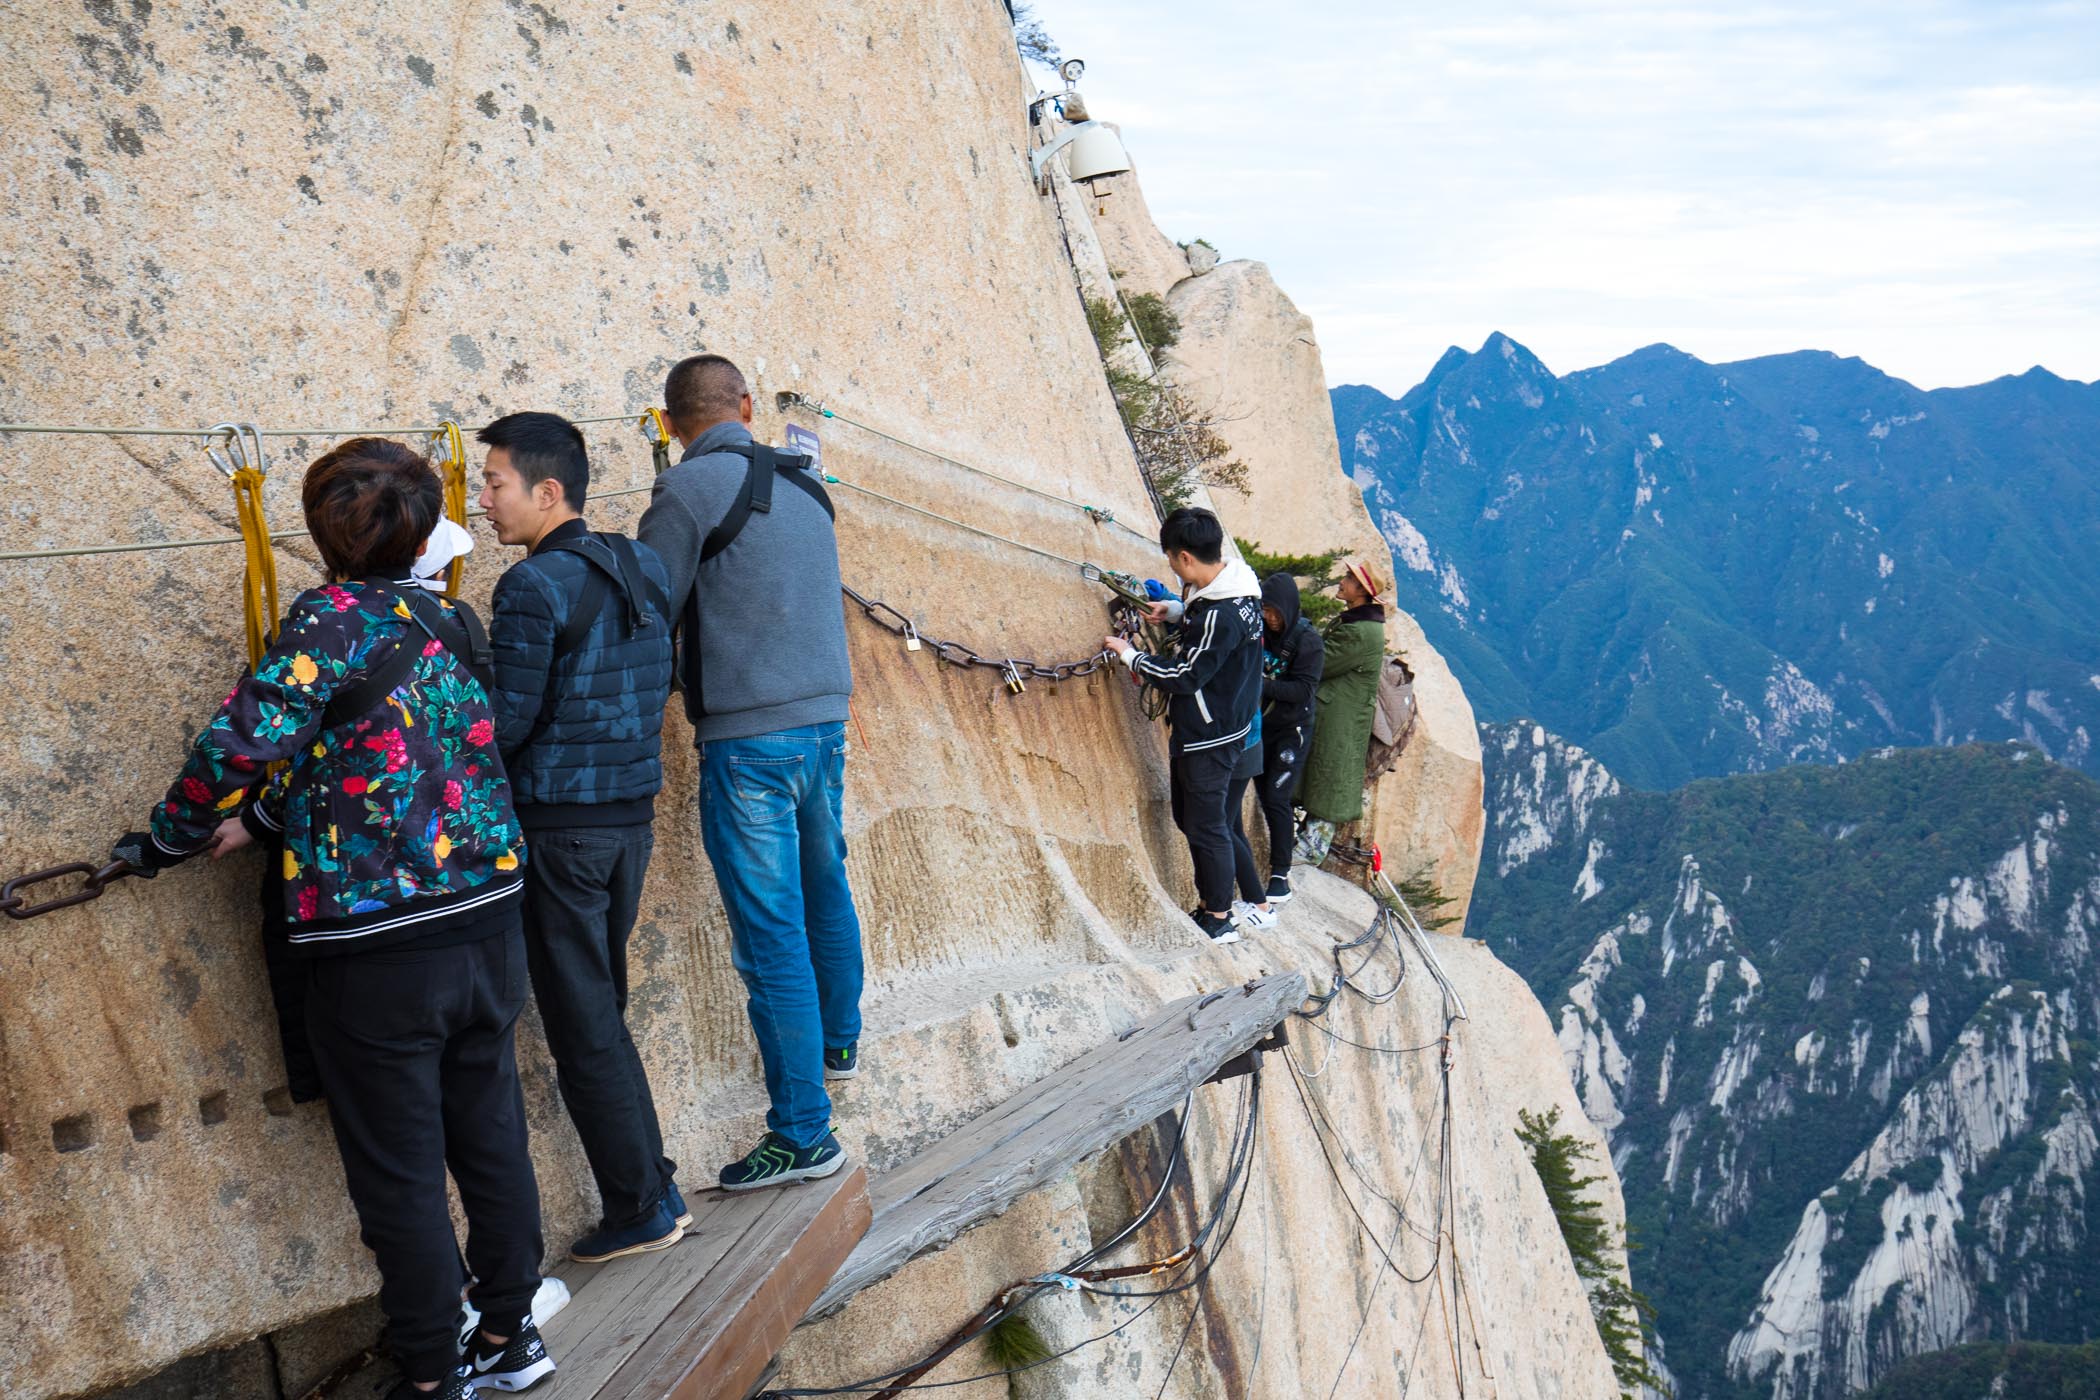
<point>756,494</point>
<point>378,682</point>
<point>583,616</point>
<point>461,633</point>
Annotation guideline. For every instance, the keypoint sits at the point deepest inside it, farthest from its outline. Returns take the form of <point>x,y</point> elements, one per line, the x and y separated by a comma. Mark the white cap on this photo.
<point>446,543</point>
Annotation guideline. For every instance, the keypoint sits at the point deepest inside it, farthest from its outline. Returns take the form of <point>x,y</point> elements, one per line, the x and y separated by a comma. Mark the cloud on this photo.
<point>1916,181</point>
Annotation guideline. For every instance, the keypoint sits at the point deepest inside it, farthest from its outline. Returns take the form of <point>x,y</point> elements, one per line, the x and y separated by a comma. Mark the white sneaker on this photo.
<point>1252,916</point>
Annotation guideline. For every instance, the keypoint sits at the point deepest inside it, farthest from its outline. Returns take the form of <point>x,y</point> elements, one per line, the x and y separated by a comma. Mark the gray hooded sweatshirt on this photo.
<point>772,645</point>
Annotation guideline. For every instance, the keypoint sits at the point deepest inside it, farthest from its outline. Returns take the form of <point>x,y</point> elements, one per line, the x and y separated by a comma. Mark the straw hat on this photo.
<point>1365,579</point>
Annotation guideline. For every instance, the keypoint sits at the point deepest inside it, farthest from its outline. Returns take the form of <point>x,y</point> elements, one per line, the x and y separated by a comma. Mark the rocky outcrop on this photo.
<point>455,209</point>
<point>1248,358</point>
<point>1142,258</point>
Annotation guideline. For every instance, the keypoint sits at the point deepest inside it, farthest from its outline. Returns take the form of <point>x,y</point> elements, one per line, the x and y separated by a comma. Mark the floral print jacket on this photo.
<point>393,824</point>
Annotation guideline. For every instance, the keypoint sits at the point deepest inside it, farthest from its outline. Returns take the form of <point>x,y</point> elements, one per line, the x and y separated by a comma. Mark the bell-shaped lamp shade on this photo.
<point>1094,154</point>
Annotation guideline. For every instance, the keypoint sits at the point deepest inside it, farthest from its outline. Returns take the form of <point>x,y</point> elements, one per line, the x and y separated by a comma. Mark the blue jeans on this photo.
<point>771,818</point>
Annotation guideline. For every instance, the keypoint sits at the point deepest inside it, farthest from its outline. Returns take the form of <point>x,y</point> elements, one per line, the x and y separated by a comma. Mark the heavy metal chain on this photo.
<point>1014,671</point>
<point>98,878</point>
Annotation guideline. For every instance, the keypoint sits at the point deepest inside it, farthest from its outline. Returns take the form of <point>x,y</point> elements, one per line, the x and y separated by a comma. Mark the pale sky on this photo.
<point>1915,183</point>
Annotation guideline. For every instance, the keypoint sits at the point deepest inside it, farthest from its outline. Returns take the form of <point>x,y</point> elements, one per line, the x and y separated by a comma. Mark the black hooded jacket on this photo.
<point>1292,656</point>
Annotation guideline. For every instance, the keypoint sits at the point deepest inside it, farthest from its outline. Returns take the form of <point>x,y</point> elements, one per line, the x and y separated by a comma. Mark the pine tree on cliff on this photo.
<point>1622,1315</point>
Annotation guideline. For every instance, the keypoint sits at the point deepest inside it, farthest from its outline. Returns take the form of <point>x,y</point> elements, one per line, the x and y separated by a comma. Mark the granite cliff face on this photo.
<point>458,209</point>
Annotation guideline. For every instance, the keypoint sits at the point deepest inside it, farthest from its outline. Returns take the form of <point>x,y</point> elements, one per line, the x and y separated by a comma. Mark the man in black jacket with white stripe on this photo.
<point>1214,686</point>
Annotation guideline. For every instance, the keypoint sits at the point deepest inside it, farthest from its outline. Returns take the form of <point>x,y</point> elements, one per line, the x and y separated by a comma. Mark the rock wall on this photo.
<point>458,209</point>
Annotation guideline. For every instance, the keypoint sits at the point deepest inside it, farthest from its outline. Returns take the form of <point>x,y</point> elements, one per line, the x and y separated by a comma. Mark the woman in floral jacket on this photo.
<point>402,875</point>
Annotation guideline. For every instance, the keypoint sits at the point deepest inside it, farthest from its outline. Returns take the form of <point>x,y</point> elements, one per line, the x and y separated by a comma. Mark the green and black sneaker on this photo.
<point>776,1162</point>
<point>842,1064</point>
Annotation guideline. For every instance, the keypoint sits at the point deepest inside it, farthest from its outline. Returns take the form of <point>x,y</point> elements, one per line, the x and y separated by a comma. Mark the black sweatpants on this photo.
<point>1199,784</point>
<point>416,1049</point>
<point>1253,888</point>
<point>583,891</point>
<point>1283,766</point>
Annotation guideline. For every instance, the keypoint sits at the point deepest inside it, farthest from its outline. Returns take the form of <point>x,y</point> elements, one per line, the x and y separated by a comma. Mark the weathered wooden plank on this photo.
<point>718,1340</point>
<point>614,1307</point>
<point>983,1167</point>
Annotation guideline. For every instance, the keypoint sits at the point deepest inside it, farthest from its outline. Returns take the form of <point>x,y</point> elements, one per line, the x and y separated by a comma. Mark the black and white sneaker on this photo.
<point>453,1387</point>
<point>515,1365</point>
<point>1219,928</point>
<point>1279,889</point>
<point>1252,916</point>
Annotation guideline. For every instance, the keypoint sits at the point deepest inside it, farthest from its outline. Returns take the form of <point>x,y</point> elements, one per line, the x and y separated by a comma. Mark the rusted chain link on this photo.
<point>98,879</point>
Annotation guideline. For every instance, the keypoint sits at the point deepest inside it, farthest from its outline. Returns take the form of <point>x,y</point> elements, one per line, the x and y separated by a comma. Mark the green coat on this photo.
<point>1347,698</point>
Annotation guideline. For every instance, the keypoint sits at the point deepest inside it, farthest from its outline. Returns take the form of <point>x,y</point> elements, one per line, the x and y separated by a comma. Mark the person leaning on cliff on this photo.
<point>581,630</point>
<point>1344,704</point>
<point>1292,656</point>
<point>1213,684</point>
<point>766,679</point>
<point>401,891</point>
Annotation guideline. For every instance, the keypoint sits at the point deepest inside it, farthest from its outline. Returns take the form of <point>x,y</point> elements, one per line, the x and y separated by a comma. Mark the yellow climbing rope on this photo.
<point>452,471</point>
<point>238,452</point>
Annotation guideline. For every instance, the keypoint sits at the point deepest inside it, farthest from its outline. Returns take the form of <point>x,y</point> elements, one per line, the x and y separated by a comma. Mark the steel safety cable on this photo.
<point>1099,514</point>
<point>121,430</point>
<point>889,1383</point>
<point>276,536</point>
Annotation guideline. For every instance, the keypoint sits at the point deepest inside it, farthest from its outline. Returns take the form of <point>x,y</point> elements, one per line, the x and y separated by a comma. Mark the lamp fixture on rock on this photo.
<point>1093,152</point>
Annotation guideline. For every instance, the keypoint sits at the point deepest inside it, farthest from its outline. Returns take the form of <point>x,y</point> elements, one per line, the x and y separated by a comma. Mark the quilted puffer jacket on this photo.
<point>582,732</point>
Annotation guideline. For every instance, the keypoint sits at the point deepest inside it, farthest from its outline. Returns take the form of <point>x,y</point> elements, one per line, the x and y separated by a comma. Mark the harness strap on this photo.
<point>756,494</point>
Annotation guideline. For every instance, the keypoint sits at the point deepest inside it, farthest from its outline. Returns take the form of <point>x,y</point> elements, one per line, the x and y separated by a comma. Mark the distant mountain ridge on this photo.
<point>1696,569</point>
<point>1839,1024</point>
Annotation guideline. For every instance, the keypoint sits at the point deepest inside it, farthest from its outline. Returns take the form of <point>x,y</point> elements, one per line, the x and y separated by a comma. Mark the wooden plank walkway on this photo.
<point>1030,1140</point>
<point>703,1319</point>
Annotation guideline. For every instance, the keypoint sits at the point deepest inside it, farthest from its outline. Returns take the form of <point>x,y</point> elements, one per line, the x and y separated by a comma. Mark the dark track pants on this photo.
<point>415,1048</point>
<point>1283,766</point>
<point>1253,888</point>
<point>1200,784</point>
<point>583,891</point>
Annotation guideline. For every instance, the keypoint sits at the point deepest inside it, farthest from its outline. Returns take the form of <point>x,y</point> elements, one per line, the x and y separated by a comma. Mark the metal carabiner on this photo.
<point>447,439</point>
<point>243,448</point>
<point>657,428</point>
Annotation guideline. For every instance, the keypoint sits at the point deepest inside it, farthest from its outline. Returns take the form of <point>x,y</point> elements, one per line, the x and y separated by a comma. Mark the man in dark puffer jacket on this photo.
<point>582,637</point>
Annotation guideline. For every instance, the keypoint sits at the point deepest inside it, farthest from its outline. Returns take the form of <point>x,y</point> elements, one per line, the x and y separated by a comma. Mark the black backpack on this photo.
<point>590,605</point>
<point>754,496</point>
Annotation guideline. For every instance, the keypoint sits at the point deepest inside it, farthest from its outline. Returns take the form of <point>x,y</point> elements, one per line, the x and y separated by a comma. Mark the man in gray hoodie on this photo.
<point>746,536</point>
